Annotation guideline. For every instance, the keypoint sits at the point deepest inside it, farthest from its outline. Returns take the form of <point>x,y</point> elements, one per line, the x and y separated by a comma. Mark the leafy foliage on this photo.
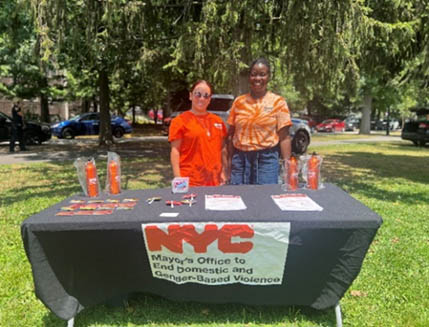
<point>326,55</point>
<point>20,57</point>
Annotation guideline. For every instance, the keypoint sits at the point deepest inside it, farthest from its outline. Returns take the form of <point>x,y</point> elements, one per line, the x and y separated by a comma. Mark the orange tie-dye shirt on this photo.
<point>257,121</point>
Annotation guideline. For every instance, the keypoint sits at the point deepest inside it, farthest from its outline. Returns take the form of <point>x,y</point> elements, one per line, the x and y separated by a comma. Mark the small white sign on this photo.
<point>295,202</point>
<point>222,202</point>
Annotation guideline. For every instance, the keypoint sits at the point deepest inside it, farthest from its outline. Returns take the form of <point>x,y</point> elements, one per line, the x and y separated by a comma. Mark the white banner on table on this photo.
<point>218,253</point>
<point>295,202</point>
<point>224,202</point>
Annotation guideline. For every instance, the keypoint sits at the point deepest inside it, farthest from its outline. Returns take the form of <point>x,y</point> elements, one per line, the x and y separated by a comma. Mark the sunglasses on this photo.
<point>199,95</point>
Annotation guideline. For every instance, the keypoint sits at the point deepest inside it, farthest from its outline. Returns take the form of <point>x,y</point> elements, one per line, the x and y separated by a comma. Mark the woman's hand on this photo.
<point>285,143</point>
<point>227,150</point>
<point>223,178</point>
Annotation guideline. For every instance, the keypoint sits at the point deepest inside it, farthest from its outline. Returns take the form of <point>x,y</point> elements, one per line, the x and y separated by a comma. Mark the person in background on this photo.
<point>258,130</point>
<point>17,127</point>
<point>198,141</point>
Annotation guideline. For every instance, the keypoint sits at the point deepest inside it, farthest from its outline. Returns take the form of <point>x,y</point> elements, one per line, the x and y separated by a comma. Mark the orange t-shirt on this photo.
<point>257,121</point>
<point>201,148</point>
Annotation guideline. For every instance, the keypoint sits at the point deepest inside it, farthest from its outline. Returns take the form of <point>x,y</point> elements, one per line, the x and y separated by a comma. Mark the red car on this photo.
<point>331,125</point>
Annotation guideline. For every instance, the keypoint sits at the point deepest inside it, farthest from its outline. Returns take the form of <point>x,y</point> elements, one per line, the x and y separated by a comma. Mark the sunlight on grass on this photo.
<point>349,136</point>
<point>391,289</point>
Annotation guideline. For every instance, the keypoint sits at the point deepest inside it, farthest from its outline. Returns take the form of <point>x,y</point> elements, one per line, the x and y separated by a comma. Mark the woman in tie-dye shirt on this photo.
<point>259,130</point>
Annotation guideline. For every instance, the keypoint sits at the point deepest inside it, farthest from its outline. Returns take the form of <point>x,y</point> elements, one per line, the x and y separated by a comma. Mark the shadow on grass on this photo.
<point>150,310</point>
<point>146,165</point>
<point>357,171</point>
<point>61,185</point>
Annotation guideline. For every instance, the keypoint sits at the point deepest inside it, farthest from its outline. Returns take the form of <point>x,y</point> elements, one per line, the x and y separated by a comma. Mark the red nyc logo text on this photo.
<point>177,234</point>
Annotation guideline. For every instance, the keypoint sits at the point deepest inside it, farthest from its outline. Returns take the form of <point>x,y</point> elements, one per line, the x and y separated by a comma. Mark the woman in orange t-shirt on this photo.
<point>259,130</point>
<point>198,141</point>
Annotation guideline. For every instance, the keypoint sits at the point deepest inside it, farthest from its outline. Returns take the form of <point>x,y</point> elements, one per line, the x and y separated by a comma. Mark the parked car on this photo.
<point>220,105</point>
<point>381,125</point>
<point>140,116</point>
<point>158,114</point>
<point>89,124</point>
<point>33,132</point>
<point>311,122</point>
<point>416,132</point>
<point>331,125</point>
<point>351,124</point>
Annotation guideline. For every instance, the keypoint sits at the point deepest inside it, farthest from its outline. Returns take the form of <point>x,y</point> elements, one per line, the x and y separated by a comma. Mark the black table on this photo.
<point>80,261</point>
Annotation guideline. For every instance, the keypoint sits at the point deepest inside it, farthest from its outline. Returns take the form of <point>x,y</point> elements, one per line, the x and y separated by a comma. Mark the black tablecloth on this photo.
<point>79,261</point>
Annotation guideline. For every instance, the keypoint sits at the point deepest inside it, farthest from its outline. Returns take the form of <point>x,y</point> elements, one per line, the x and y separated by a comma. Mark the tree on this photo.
<point>392,27</point>
<point>93,36</point>
<point>20,57</point>
<point>416,73</point>
<point>142,51</point>
<point>313,45</point>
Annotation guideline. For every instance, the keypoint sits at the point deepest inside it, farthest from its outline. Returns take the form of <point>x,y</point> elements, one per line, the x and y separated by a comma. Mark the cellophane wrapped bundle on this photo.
<point>113,181</point>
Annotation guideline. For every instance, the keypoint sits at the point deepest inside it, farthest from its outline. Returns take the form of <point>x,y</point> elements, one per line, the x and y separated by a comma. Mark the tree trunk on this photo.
<point>388,122</point>
<point>85,106</point>
<point>365,123</point>
<point>155,116</point>
<point>94,105</point>
<point>243,83</point>
<point>43,86</point>
<point>44,109</point>
<point>246,57</point>
<point>105,136</point>
<point>167,107</point>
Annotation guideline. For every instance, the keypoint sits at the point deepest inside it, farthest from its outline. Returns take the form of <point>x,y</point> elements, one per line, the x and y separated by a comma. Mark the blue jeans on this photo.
<point>255,167</point>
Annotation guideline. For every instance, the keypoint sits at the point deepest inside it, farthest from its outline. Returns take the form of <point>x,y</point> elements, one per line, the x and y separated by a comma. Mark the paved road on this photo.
<point>67,155</point>
<point>33,156</point>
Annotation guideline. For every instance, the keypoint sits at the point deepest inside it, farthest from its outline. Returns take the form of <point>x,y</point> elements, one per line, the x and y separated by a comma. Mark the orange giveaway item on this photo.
<point>114,177</point>
<point>292,174</point>
<point>113,180</point>
<point>91,179</point>
<point>313,172</point>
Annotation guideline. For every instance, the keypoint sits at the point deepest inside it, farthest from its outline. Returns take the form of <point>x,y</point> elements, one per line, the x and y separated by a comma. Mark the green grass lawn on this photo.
<point>391,290</point>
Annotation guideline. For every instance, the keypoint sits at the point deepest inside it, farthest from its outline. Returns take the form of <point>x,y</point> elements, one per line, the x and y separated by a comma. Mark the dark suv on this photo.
<point>221,103</point>
<point>416,132</point>
<point>34,133</point>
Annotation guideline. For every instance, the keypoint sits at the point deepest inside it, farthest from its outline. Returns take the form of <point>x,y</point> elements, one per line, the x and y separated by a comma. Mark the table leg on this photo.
<point>338,315</point>
<point>70,322</point>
